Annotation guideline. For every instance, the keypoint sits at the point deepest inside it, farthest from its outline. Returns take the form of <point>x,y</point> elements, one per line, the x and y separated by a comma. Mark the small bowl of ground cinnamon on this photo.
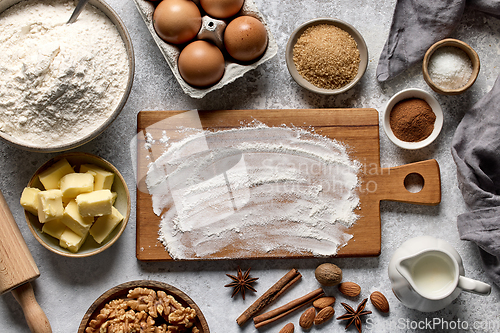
<point>413,119</point>
<point>326,56</point>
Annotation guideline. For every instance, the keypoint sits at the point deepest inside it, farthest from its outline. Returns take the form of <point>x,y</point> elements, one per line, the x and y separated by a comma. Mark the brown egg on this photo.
<point>221,8</point>
<point>177,21</point>
<point>201,64</point>
<point>245,38</point>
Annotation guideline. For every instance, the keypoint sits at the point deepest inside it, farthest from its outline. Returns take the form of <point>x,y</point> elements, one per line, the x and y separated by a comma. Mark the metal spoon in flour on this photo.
<point>77,11</point>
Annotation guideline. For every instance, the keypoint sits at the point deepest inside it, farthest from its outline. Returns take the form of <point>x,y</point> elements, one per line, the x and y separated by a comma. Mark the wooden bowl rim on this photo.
<point>122,289</point>
<point>126,216</point>
<point>476,65</point>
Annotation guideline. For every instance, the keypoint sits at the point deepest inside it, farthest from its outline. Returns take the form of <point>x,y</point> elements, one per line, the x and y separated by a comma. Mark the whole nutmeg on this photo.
<point>328,274</point>
<point>288,328</point>
<point>379,301</point>
<point>306,320</point>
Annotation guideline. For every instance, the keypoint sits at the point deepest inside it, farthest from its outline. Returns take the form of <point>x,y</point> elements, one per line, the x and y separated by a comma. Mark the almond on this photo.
<point>306,320</point>
<point>324,315</point>
<point>288,328</point>
<point>349,289</point>
<point>379,301</point>
<point>323,302</point>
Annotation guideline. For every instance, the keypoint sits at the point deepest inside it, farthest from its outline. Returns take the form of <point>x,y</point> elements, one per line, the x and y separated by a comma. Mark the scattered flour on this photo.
<point>251,190</point>
<point>58,81</point>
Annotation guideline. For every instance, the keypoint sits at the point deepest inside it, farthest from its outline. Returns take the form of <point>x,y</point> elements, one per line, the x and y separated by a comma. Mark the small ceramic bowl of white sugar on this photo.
<point>450,66</point>
<point>66,83</point>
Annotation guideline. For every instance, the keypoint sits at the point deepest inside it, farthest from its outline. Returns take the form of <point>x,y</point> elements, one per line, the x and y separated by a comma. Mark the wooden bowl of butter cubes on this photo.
<point>76,204</point>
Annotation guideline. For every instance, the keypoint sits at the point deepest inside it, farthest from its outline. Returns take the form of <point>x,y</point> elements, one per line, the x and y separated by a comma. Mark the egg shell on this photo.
<point>177,21</point>
<point>201,63</point>
<point>221,9</point>
<point>245,38</point>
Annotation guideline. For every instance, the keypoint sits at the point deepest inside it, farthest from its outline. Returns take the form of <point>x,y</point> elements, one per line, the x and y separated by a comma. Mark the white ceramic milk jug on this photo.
<point>427,274</point>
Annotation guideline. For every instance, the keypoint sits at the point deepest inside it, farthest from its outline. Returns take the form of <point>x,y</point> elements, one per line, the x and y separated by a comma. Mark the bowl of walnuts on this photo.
<point>144,306</point>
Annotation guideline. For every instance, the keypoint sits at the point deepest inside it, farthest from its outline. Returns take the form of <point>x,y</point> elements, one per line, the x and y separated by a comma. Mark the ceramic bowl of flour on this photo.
<point>65,86</point>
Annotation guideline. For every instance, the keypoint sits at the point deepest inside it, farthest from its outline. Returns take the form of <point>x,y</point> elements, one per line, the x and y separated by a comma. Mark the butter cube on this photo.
<point>73,220</point>
<point>66,201</point>
<point>50,205</point>
<point>54,228</point>
<point>73,184</point>
<point>96,203</point>
<point>71,241</point>
<point>103,180</point>
<point>50,177</point>
<point>29,199</point>
<point>103,226</point>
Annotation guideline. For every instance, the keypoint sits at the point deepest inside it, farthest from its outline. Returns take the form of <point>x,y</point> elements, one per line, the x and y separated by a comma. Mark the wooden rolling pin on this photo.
<point>17,269</point>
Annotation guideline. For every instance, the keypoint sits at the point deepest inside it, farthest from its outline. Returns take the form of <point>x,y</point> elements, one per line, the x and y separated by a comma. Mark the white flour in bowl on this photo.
<point>253,190</point>
<point>58,81</point>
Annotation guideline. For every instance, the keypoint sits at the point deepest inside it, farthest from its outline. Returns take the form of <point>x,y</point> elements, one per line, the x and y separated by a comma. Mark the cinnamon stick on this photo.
<point>273,315</point>
<point>270,295</point>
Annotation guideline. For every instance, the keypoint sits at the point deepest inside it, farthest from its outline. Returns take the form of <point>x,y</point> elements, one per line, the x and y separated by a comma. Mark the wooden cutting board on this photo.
<point>357,128</point>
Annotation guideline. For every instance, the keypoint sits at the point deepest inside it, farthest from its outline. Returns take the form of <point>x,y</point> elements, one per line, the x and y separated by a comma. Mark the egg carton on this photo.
<point>213,30</point>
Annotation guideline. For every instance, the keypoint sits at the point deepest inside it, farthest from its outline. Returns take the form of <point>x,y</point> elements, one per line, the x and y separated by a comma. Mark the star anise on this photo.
<point>241,282</point>
<point>354,316</point>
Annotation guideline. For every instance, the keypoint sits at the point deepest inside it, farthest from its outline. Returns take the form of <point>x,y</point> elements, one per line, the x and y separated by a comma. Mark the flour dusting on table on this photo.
<point>251,190</point>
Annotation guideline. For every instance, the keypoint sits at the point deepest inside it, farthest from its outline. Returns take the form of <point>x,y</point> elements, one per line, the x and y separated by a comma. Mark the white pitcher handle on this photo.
<point>473,286</point>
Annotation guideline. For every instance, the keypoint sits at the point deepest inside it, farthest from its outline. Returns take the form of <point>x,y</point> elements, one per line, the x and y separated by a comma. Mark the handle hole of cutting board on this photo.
<point>414,182</point>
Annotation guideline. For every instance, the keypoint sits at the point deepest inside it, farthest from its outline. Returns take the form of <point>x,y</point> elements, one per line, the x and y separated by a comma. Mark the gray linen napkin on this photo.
<point>417,24</point>
<point>476,151</point>
<point>491,7</point>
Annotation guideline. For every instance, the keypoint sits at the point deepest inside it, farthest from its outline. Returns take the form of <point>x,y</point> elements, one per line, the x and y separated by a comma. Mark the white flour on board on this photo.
<point>251,190</point>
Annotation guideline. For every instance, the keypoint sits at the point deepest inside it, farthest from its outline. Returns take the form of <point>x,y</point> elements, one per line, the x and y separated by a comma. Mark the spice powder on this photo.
<point>326,56</point>
<point>412,120</point>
